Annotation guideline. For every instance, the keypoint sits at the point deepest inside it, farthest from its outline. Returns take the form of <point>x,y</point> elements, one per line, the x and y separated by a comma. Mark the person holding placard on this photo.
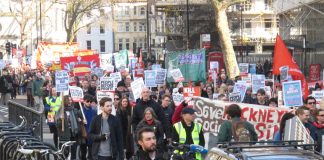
<point>261,98</point>
<point>303,114</point>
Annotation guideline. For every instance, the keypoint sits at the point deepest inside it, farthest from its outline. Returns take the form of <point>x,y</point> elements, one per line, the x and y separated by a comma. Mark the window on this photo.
<point>267,23</point>
<point>120,27</point>
<point>88,29</point>
<point>135,10</point>
<point>127,26</point>
<point>89,45</point>
<point>142,27</point>
<point>127,43</point>
<point>102,46</point>
<point>135,27</point>
<point>120,44</point>
<point>126,10</point>
<point>142,11</point>
<point>134,43</point>
<point>102,12</point>
<point>247,23</point>
<point>102,28</point>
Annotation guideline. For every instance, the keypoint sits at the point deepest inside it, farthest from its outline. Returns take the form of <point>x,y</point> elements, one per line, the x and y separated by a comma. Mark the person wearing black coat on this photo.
<point>142,104</point>
<point>106,134</point>
<point>6,87</point>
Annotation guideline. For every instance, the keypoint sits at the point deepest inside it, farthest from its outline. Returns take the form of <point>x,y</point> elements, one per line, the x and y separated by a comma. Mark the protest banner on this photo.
<point>240,88</point>
<point>284,73</point>
<point>61,81</point>
<point>244,68</point>
<point>137,86</point>
<point>80,65</point>
<point>191,91</point>
<point>292,93</point>
<point>121,59</point>
<point>252,68</point>
<point>258,82</point>
<point>150,77</point>
<point>76,93</point>
<point>107,84</point>
<point>191,63</point>
<point>156,67</point>
<point>176,75</point>
<point>234,97</point>
<point>211,114</point>
<point>117,77</point>
<point>314,72</point>
<point>106,62</point>
<point>280,99</point>
<point>139,69</point>
<point>160,76</point>
<point>177,98</point>
<point>100,95</point>
<point>318,95</point>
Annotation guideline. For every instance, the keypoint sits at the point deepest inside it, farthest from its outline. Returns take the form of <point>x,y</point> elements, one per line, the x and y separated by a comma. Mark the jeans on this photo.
<point>84,149</point>
<point>39,103</point>
<point>105,158</point>
<point>5,98</point>
<point>30,99</point>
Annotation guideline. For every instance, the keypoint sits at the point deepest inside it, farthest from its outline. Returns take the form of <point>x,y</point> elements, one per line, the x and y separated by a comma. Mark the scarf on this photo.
<point>73,121</point>
<point>318,126</point>
<point>149,122</point>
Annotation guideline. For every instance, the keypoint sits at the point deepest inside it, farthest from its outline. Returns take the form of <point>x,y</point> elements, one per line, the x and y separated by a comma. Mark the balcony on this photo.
<point>164,3</point>
<point>265,35</point>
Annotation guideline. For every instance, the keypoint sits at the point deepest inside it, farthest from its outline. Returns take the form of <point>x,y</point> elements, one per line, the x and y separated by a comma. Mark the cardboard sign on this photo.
<point>76,93</point>
<point>244,68</point>
<point>106,62</point>
<point>61,81</point>
<point>318,95</point>
<point>211,114</point>
<point>191,91</point>
<point>150,77</point>
<point>100,95</point>
<point>176,75</point>
<point>107,84</point>
<point>284,73</point>
<point>137,87</point>
<point>235,97</point>
<point>258,82</point>
<point>139,69</point>
<point>314,72</point>
<point>160,76</point>
<point>292,93</point>
<point>240,88</point>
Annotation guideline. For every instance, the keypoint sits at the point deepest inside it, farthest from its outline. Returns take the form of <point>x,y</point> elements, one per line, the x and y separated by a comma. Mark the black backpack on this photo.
<point>240,133</point>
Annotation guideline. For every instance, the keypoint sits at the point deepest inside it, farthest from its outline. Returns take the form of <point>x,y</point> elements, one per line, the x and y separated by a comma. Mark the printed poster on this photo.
<point>101,94</point>
<point>177,98</point>
<point>121,59</point>
<point>314,72</point>
<point>258,82</point>
<point>76,93</point>
<point>177,75</point>
<point>160,76</point>
<point>137,87</point>
<point>214,65</point>
<point>191,91</point>
<point>234,97</point>
<point>107,84</point>
<point>252,68</point>
<point>244,68</point>
<point>117,77</point>
<point>61,81</point>
<point>150,77</point>
<point>318,95</point>
<point>191,63</point>
<point>292,93</point>
<point>106,62</point>
<point>284,73</point>
<point>240,88</point>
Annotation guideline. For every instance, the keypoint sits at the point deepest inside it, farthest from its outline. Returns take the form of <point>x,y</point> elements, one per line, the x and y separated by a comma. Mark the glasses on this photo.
<point>116,99</point>
<point>311,103</point>
<point>87,101</point>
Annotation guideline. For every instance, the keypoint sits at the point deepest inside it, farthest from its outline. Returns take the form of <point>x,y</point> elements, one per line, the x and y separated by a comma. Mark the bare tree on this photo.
<point>220,7</point>
<point>76,10</point>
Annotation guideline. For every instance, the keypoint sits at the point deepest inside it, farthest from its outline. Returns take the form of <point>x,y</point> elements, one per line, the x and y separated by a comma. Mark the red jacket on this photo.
<point>177,113</point>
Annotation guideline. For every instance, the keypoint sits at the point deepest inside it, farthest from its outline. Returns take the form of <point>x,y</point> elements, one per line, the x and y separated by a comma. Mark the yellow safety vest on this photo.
<point>183,135</point>
<point>54,105</point>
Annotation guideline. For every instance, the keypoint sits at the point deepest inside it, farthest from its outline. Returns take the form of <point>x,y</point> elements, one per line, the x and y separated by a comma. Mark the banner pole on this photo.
<point>84,118</point>
<point>62,111</point>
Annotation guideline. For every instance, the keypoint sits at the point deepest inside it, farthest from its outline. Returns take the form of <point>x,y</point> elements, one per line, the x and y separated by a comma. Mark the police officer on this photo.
<point>187,131</point>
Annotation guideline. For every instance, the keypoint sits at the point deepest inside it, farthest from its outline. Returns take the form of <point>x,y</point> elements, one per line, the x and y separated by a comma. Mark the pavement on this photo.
<point>22,99</point>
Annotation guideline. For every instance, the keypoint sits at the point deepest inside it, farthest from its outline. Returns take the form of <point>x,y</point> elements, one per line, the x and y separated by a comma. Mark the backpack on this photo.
<point>239,131</point>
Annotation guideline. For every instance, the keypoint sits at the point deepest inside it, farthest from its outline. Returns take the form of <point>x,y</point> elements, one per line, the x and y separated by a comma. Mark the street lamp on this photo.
<point>241,33</point>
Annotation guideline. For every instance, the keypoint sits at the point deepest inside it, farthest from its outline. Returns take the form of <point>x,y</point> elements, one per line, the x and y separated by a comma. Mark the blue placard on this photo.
<point>292,93</point>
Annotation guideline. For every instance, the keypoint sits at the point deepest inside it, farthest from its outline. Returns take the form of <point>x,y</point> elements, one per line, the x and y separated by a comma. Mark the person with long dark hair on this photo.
<point>319,125</point>
<point>279,135</point>
<point>124,114</point>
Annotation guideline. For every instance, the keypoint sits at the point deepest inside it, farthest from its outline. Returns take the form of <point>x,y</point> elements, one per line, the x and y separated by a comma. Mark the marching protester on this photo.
<point>87,89</point>
<point>236,128</point>
<point>310,103</point>
<point>72,129</point>
<point>279,135</point>
<point>168,113</point>
<point>124,114</point>
<point>148,148</point>
<point>303,113</point>
<point>38,92</point>
<point>261,98</point>
<point>90,113</point>
<point>150,120</point>
<point>106,134</point>
<point>52,107</point>
<point>6,87</point>
<point>319,125</point>
<point>29,84</point>
<point>187,131</point>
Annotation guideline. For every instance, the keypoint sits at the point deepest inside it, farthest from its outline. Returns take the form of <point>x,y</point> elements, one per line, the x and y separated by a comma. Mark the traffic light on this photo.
<point>8,47</point>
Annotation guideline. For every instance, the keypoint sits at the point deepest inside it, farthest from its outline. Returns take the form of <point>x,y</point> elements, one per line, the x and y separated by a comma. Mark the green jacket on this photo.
<point>225,131</point>
<point>37,87</point>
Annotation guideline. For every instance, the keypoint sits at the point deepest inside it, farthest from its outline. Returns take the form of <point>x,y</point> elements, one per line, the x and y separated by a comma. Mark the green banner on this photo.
<point>192,64</point>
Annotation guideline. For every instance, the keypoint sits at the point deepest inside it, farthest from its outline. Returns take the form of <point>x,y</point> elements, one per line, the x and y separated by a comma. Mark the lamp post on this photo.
<point>241,33</point>
<point>188,25</point>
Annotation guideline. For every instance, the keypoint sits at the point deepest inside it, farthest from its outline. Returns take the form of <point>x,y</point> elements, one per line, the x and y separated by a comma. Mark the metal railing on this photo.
<point>16,110</point>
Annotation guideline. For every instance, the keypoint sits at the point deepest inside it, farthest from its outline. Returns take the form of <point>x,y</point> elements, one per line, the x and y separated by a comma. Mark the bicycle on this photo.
<point>178,151</point>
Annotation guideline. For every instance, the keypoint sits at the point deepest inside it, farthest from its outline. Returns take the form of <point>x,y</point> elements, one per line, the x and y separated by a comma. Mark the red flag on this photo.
<point>282,57</point>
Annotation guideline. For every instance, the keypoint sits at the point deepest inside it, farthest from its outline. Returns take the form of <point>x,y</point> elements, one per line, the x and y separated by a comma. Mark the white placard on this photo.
<point>107,84</point>
<point>258,82</point>
<point>101,94</point>
<point>117,77</point>
<point>177,75</point>
<point>76,93</point>
<point>137,87</point>
<point>61,81</point>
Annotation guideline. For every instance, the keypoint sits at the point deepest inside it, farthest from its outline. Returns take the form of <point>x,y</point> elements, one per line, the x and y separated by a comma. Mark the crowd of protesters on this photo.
<point>127,128</point>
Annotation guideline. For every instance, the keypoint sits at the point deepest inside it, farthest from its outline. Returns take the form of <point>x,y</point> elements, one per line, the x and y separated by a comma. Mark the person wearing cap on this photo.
<point>187,131</point>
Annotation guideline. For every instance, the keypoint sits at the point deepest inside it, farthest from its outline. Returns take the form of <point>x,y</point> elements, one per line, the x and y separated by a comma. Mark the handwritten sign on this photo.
<point>76,93</point>
<point>177,98</point>
<point>61,81</point>
<point>107,84</point>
